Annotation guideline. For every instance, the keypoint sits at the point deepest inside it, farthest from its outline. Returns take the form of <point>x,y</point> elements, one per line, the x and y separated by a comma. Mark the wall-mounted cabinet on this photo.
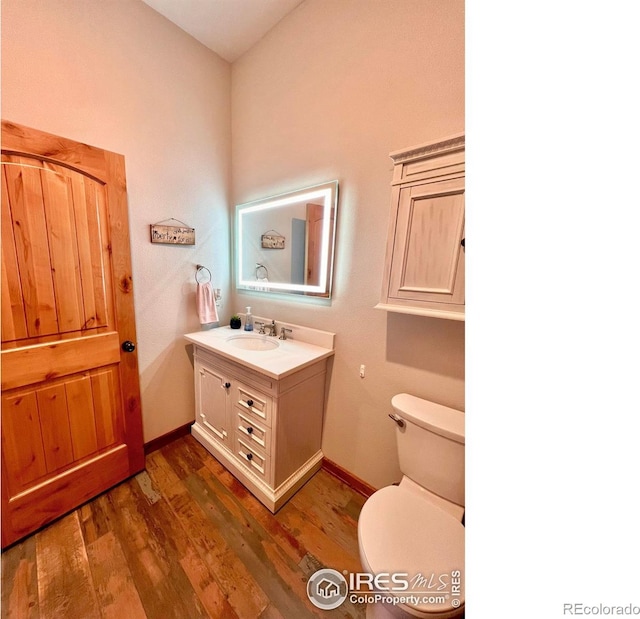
<point>424,267</point>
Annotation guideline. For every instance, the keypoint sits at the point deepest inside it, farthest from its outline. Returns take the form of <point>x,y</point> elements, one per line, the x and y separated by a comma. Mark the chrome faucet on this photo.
<point>283,333</point>
<point>273,331</point>
<point>262,331</point>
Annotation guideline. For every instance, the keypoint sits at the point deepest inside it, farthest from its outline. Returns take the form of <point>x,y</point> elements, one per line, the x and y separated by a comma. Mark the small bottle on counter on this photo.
<point>248,320</point>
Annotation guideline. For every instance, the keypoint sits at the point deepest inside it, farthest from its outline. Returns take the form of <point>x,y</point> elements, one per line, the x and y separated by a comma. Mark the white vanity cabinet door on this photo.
<point>212,402</point>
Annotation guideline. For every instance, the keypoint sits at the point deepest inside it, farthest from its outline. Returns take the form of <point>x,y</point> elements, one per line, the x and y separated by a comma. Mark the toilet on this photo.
<point>413,531</point>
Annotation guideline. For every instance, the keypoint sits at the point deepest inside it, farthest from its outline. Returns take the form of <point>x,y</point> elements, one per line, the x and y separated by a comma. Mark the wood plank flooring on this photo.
<point>185,540</point>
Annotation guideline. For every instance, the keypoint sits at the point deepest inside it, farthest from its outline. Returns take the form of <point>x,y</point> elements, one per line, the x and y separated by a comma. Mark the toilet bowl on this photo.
<point>410,535</point>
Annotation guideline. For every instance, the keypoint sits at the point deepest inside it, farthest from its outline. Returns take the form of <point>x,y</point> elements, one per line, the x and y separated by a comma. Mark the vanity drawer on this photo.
<point>253,433</point>
<point>236,371</point>
<point>252,458</point>
<point>253,404</point>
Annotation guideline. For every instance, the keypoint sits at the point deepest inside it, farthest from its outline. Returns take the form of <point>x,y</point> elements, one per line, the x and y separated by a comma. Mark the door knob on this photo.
<point>128,346</point>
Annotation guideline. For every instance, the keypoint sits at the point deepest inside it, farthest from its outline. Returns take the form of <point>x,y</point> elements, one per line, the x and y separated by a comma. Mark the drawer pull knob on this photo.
<point>249,430</point>
<point>227,385</point>
<point>249,402</point>
<point>249,456</point>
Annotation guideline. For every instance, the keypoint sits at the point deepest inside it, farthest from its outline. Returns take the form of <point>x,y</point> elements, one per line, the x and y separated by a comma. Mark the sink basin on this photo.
<point>253,342</point>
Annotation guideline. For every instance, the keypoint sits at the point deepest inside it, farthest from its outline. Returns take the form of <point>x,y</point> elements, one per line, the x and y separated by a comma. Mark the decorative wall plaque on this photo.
<point>272,240</point>
<point>173,235</point>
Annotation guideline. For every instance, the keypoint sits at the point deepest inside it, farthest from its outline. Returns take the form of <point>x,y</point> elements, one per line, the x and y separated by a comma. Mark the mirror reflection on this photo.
<point>286,243</point>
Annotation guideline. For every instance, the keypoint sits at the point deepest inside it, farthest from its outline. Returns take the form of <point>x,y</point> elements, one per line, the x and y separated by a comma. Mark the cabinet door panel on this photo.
<point>428,259</point>
<point>212,398</point>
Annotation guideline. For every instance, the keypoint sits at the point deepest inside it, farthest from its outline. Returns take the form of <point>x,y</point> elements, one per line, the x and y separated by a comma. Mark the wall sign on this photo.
<point>173,235</point>
<point>272,241</point>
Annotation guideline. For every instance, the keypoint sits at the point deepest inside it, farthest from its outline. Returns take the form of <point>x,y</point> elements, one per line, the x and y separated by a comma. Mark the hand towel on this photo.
<point>207,310</point>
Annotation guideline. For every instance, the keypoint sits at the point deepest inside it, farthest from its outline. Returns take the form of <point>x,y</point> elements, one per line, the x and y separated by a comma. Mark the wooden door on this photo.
<point>315,222</point>
<point>71,417</point>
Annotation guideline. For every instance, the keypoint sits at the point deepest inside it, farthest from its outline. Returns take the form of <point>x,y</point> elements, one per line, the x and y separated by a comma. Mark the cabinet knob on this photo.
<point>227,385</point>
<point>249,402</point>
<point>462,243</point>
<point>249,430</point>
<point>249,456</point>
<point>128,346</point>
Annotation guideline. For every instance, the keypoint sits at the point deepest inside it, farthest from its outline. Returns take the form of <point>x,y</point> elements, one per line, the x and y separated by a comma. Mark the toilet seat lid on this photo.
<point>401,532</point>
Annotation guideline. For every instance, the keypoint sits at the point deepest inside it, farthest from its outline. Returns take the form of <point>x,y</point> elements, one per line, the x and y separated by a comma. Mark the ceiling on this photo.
<point>228,27</point>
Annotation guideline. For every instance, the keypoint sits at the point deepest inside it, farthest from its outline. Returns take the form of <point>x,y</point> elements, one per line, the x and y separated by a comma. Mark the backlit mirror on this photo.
<point>286,243</point>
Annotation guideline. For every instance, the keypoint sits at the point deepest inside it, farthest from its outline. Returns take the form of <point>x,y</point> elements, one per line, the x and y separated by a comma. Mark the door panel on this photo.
<point>314,266</point>
<point>81,412</point>
<point>52,425</point>
<point>55,248</point>
<point>71,423</point>
<point>31,364</point>
<point>30,245</point>
<point>213,400</point>
<point>44,502</point>
<point>315,215</point>
<point>428,261</point>
<point>14,323</point>
<point>22,447</point>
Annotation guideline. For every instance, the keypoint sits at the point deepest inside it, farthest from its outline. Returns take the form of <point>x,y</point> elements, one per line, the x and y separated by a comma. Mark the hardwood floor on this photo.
<point>184,539</point>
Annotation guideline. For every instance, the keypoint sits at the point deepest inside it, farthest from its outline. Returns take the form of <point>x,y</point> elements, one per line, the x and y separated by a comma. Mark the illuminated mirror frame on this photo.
<point>327,194</point>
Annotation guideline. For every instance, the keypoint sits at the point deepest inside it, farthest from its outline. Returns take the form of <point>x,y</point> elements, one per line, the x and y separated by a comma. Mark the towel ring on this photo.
<point>199,268</point>
<point>261,268</point>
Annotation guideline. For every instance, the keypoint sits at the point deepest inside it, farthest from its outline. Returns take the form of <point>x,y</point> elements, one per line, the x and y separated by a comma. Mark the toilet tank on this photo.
<point>431,445</point>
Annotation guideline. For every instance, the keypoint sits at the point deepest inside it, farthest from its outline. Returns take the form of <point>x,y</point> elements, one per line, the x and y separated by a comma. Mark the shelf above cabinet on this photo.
<point>420,311</point>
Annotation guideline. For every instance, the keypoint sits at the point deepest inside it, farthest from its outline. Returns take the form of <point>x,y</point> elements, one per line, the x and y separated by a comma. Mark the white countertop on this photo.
<point>290,355</point>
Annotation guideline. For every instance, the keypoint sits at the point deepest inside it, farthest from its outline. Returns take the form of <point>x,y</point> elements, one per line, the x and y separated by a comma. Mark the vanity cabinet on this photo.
<point>267,431</point>
<point>424,267</point>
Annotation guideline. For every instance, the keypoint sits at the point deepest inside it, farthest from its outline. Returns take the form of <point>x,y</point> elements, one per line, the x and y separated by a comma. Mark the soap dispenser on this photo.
<point>248,320</point>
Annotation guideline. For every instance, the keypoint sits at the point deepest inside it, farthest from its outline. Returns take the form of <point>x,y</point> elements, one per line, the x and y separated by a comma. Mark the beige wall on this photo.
<point>335,87</point>
<point>119,76</point>
<point>327,94</point>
